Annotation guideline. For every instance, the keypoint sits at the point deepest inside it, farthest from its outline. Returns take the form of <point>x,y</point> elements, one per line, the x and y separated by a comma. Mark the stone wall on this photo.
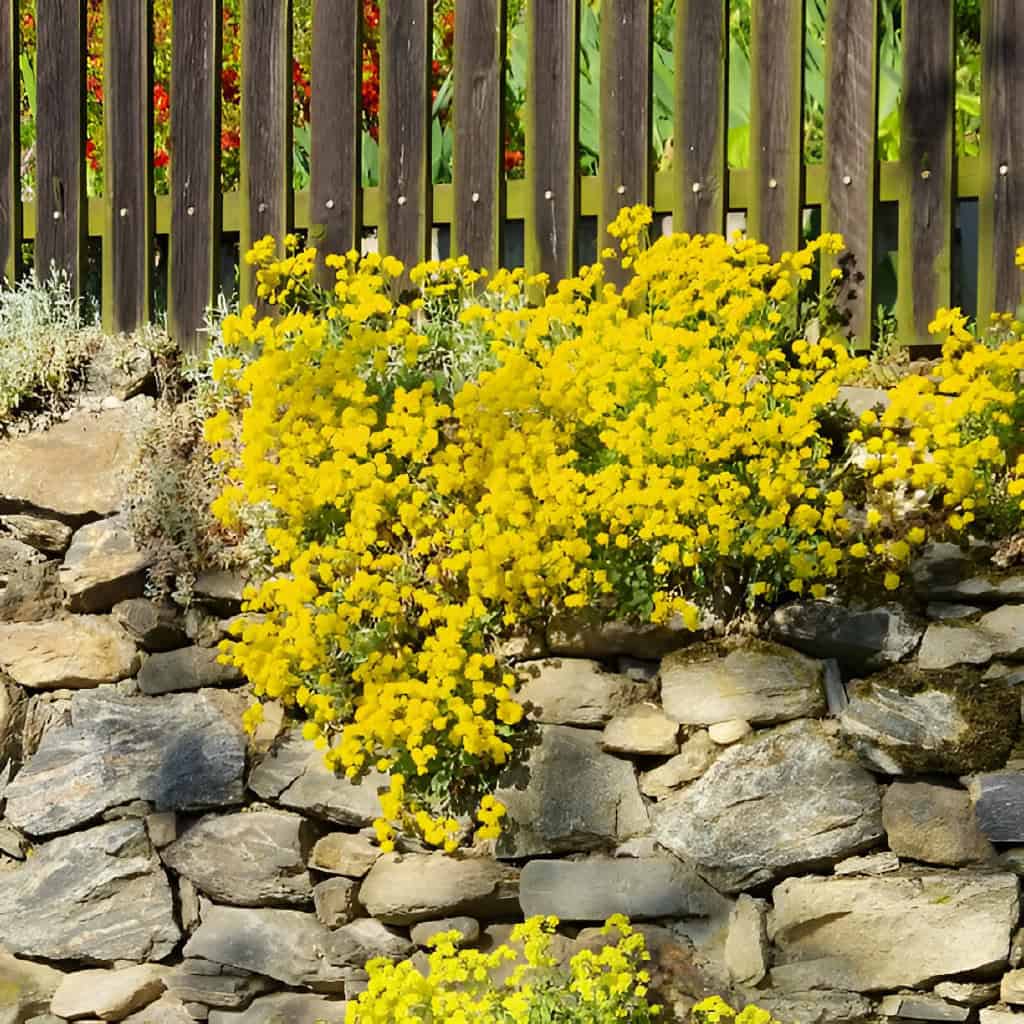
<point>827,820</point>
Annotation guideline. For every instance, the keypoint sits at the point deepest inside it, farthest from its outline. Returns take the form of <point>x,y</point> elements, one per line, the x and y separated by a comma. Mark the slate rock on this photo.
<point>341,853</point>
<point>934,824</point>
<point>47,536</point>
<point>29,591</point>
<point>939,567</point>
<point>983,589</point>
<point>568,795</point>
<point>187,668</point>
<point>290,946</point>
<point>251,859</point>
<point>467,927</point>
<point>404,889</point>
<point>95,896</point>
<point>199,981</point>
<point>695,757</point>
<point>747,950</point>
<point>861,640</point>
<point>290,1007</point>
<point>220,589</point>
<point>781,802</point>
<point>576,691</point>
<point>26,988</point>
<point>921,1007</point>
<point>751,680</point>
<point>153,625</point>
<point>74,471</point>
<point>823,1007</point>
<point>874,934</point>
<point>108,995</point>
<point>905,721</point>
<point>872,864</point>
<point>178,752</point>
<point>594,889</point>
<point>72,653</point>
<point>335,901</point>
<point>103,566</point>
<point>999,805</point>
<point>643,730</point>
<point>168,1009</point>
<point>586,634</point>
<point>997,634</point>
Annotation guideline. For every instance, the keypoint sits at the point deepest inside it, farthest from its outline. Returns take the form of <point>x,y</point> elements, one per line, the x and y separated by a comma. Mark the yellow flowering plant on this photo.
<point>518,983</point>
<point>442,469</point>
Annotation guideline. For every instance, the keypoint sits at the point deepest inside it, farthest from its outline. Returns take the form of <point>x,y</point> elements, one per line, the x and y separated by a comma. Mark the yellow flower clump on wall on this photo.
<point>443,469</point>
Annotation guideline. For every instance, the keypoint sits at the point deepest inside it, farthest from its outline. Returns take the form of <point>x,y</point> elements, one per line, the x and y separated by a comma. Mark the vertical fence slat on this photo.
<point>701,170</point>
<point>196,213</point>
<point>851,103</point>
<point>406,213</point>
<point>1001,228</point>
<point>266,151</point>
<point>335,185</point>
<point>479,146</point>
<point>551,121</point>
<point>776,123</point>
<point>10,143</point>
<point>128,179</point>
<point>625,111</point>
<point>926,156</point>
<point>60,139</point>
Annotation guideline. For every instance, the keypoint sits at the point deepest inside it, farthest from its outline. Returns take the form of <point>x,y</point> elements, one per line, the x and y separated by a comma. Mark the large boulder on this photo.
<point>568,795</point>
<point>905,721</point>
<point>75,470</point>
<point>874,934</point>
<point>751,680</point>
<point>781,802</point>
<point>295,775</point>
<point>95,896</point>
<point>26,988</point>
<point>292,947</point>
<point>575,691</point>
<point>418,887</point>
<point>861,640</point>
<point>997,634</point>
<point>187,668</point>
<point>103,566</point>
<point>73,653</point>
<point>934,824</point>
<point>179,753</point>
<point>254,859</point>
<point>593,890</point>
<point>28,583</point>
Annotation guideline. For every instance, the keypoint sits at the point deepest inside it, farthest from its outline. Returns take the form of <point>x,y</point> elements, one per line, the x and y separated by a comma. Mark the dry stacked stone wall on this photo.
<point>827,819</point>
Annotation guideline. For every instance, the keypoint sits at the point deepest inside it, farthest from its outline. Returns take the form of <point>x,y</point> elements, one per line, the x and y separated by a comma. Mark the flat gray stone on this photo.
<point>942,611</point>
<point>781,802</point>
<point>48,536</point>
<point>568,795</point>
<point>999,805</point>
<point>586,634</point>
<point>335,901</point>
<point>251,859</point>
<point>593,890</point>
<point>213,985</point>
<point>467,927</point>
<point>285,1008</point>
<point>823,1007</point>
<point>872,864</point>
<point>341,853</point>
<point>187,668</point>
<point>920,1007</point>
<point>861,640</point>
<point>643,730</point>
<point>877,934</point>
<point>405,889</point>
<point>751,680</point>
<point>73,653</point>
<point>295,775</point>
<point>984,589</point>
<point>168,1009</point>
<point>95,896</point>
<point>154,626</point>
<point>575,691</point>
<point>109,995</point>
<point>997,634</point>
<point>103,566</point>
<point>179,753</point>
<point>29,591</point>
<point>911,722</point>
<point>933,824</point>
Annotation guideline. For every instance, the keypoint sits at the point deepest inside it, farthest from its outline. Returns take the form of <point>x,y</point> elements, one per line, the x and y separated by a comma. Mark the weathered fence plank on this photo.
<point>625,112</point>
<point>701,116</point>
<point>551,121</point>
<point>196,209</point>
<point>479,123</point>
<point>60,139</point>
<point>1001,228</point>
<point>405,47</point>
<point>335,192</point>
<point>128,181</point>
<point>851,174</point>
<point>10,142</point>
<point>776,123</point>
<point>266,150</point>
<point>926,151</point>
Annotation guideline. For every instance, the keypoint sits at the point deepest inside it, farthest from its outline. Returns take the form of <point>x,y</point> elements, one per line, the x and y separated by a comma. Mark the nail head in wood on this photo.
<point>772,183</point>
<point>548,194</point>
<point>475,197</point>
<point>191,211</point>
<point>696,187</point>
<point>1004,170</point>
<point>329,204</point>
<point>124,211</point>
<point>925,175</point>
<point>621,190</point>
<point>847,180</point>
<point>402,200</point>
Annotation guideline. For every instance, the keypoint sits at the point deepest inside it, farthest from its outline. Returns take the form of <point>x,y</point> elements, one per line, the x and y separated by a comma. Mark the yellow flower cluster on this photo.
<point>716,1010</point>
<point>465,986</point>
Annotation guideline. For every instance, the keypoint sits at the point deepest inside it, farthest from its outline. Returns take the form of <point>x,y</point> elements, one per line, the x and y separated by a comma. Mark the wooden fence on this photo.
<point>699,189</point>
